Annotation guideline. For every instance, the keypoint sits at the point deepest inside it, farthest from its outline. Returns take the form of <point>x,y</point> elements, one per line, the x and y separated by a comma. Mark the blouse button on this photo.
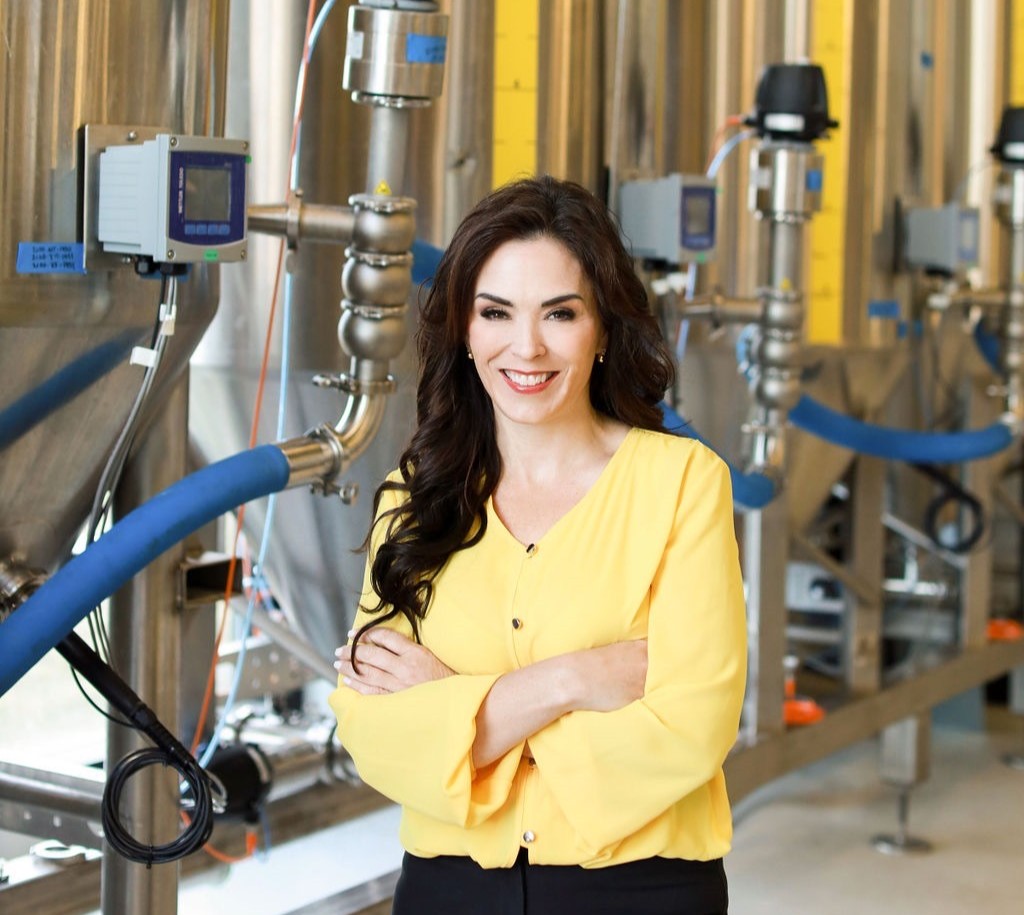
<point>528,836</point>
<point>531,550</point>
<point>517,623</point>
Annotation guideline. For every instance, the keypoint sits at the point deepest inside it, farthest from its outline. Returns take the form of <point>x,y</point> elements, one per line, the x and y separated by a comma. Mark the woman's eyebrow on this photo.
<point>492,298</point>
<point>557,300</point>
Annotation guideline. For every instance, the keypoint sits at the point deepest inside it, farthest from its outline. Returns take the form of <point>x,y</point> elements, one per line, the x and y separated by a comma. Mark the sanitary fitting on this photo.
<point>376,282</point>
<point>785,181</point>
<point>297,221</point>
<point>313,457</point>
<point>17,585</point>
<point>720,309</point>
<point>395,56</point>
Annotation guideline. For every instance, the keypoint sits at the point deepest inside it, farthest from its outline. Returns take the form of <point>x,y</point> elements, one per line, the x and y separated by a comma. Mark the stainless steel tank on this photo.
<point>312,563</point>
<point>65,383</point>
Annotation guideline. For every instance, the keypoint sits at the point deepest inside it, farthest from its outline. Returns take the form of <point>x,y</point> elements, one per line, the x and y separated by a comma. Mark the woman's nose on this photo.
<point>529,340</point>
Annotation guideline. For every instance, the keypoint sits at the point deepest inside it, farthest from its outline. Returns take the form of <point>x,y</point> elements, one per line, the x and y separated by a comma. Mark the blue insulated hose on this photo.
<point>131,544</point>
<point>425,258</point>
<point>61,388</point>
<point>751,490</point>
<point>898,444</point>
<point>988,345</point>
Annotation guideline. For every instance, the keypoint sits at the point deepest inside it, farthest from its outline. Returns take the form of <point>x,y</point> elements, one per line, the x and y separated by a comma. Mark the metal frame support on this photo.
<point>864,608</point>
<point>765,554</point>
<point>905,762</point>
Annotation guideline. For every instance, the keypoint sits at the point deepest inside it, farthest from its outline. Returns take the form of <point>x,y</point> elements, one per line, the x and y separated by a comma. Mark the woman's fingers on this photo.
<point>389,661</point>
<point>388,639</point>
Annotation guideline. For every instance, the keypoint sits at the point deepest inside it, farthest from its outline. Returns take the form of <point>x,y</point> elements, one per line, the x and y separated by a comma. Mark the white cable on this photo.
<point>726,149</point>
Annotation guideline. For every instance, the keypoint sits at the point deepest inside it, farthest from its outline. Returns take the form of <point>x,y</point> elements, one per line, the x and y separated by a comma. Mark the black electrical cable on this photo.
<point>91,701</point>
<point>169,751</point>
<point>952,492</point>
<point>194,836</point>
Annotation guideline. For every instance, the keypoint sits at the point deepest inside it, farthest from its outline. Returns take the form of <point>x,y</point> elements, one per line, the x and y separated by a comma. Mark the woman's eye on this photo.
<point>562,314</point>
<point>493,314</point>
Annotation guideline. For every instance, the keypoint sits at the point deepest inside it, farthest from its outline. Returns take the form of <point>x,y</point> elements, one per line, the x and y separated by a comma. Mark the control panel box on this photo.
<point>942,239</point>
<point>670,220</point>
<point>174,199</point>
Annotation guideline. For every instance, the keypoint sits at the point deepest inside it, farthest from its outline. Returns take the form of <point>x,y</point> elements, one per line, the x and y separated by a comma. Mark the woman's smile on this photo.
<point>528,383</point>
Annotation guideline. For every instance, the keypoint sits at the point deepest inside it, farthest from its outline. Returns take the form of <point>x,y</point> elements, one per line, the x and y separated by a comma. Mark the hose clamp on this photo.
<point>17,584</point>
<point>349,384</point>
<point>374,312</point>
<point>381,203</point>
<point>373,259</point>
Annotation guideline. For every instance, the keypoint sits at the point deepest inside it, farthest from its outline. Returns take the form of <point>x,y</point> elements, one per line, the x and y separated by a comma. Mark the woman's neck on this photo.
<point>548,453</point>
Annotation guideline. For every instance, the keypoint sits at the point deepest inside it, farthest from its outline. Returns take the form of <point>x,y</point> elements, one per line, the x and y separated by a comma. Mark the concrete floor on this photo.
<point>802,844</point>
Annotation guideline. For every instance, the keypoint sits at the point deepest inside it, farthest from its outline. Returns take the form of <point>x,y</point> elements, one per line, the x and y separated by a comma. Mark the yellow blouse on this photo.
<point>650,551</point>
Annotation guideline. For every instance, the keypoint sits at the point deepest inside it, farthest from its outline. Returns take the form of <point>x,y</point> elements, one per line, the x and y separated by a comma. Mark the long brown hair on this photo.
<point>452,464</point>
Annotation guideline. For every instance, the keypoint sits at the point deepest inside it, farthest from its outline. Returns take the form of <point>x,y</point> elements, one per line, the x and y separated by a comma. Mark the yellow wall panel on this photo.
<point>827,233</point>
<point>515,89</point>
<point>1017,54</point>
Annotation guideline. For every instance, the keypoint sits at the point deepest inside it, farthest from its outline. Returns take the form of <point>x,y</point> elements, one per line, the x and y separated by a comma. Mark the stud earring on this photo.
<point>469,353</point>
<point>600,356</point>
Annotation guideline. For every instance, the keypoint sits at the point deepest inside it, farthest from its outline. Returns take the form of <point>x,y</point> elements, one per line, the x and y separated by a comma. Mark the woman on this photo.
<point>548,663</point>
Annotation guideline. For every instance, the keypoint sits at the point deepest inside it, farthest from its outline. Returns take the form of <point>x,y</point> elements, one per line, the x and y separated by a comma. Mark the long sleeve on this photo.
<point>415,746</point>
<point>613,773</point>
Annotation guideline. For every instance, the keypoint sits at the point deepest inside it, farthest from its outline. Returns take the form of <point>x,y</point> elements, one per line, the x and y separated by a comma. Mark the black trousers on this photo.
<point>457,885</point>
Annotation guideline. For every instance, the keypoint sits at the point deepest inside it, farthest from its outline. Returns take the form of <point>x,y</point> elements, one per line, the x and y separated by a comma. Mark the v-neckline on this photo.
<point>605,474</point>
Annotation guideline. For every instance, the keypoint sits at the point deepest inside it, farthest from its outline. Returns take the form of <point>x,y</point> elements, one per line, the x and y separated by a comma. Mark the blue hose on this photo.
<point>988,346</point>
<point>751,490</point>
<point>425,258</point>
<point>898,444</point>
<point>62,387</point>
<point>136,540</point>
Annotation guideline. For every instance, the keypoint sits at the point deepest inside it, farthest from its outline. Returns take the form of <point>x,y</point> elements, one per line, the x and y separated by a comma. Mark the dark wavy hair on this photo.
<point>452,464</point>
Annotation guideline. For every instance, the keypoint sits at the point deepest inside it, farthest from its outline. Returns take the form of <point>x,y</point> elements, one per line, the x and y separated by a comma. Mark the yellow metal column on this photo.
<point>515,89</point>
<point>1017,54</point>
<point>831,31</point>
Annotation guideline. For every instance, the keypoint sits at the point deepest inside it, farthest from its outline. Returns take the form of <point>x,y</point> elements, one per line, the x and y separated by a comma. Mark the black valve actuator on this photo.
<point>791,103</point>
<point>1009,144</point>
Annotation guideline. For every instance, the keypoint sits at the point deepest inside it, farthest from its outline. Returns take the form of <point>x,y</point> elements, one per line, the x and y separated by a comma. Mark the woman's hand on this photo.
<point>611,676</point>
<point>524,701</point>
<point>388,662</point>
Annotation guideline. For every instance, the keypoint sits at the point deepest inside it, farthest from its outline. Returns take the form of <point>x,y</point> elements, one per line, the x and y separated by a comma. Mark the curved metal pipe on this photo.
<point>359,424</point>
<point>321,456</point>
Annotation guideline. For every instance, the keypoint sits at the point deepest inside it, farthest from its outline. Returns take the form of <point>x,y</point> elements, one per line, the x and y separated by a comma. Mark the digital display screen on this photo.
<point>697,214</point>
<point>207,194</point>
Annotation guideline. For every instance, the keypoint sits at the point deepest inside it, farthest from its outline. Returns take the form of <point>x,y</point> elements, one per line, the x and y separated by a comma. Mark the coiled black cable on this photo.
<point>169,751</point>
<point>200,821</point>
<point>952,492</point>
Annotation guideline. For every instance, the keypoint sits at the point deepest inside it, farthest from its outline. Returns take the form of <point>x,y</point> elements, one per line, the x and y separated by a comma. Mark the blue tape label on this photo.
<point>814,182</point>
<point>425,49</point>
<point>884,308</point>
<point>50,257</point>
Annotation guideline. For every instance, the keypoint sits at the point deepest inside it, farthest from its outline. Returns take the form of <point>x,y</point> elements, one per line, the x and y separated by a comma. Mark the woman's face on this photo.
<point>534,333</point>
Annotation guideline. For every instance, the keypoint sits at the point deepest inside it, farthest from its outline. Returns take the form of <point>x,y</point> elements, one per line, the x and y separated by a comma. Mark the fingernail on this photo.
<point>337,665</point>
<point>346,681</point>
<point>351,633</point>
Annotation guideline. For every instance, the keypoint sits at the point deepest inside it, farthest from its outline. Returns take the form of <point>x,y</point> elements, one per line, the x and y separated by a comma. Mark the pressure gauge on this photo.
<point>174,199</point>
